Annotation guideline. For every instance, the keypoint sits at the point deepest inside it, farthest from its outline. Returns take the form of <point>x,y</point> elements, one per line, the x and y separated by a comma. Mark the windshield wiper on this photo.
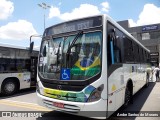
<point>71,45</point>
<point>58,54</point>
<point>74,40</point>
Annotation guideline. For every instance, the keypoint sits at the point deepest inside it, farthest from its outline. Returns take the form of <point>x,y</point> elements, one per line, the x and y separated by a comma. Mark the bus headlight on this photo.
<point>96,94</point>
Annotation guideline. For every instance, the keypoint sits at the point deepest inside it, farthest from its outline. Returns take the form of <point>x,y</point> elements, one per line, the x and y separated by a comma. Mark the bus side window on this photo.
<point>114,49</point>
<point>128,50</point>
<point>109,61</point>
<point>117,50</point>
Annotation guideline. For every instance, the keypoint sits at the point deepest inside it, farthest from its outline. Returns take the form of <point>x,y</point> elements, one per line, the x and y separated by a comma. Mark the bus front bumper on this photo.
<point>92,109</point>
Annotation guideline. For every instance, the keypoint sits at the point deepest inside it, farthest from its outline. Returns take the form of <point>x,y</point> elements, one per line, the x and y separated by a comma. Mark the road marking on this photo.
<point>23,105</point>
<point>19,102</point>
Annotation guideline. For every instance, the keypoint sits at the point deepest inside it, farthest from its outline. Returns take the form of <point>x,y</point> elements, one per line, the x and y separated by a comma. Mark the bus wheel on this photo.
<point>9,87</point>
<point>128,97</point>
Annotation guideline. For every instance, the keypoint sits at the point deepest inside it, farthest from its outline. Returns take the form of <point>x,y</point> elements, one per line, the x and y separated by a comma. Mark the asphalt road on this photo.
<point>146,101</point>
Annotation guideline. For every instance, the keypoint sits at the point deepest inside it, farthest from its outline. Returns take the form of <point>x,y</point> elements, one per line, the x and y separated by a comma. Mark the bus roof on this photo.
<point>15,47</point>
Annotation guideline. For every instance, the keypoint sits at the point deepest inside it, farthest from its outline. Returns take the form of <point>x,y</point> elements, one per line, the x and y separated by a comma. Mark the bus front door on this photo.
<point>33,70</point>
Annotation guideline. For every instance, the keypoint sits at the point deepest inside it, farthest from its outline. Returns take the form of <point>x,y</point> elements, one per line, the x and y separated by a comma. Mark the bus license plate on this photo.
<point>60,105</point>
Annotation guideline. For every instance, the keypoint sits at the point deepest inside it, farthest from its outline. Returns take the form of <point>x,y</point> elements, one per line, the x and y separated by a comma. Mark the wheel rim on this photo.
<point>9,87</point>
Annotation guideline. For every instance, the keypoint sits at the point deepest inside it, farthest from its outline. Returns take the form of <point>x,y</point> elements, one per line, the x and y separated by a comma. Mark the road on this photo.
<point>145,100</point>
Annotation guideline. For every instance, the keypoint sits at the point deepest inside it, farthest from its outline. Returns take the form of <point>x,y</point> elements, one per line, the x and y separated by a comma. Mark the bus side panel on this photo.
<point>141,73</point>
<point>116,89</point>
<point>137,81</point>
<point>144,74</point>
<point>117,82</point>
<point>24,78</point>
<point>134,73</point>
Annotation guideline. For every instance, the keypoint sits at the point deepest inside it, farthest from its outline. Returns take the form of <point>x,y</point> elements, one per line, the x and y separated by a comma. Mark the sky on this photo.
<point>19,19</point>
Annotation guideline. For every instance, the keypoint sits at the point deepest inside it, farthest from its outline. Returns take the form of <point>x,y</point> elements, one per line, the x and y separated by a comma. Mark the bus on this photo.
<point>18,68</point>
<point>90,65</point>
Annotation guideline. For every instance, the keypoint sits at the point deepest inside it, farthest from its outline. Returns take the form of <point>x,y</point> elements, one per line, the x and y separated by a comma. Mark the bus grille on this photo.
<point>67,108</point>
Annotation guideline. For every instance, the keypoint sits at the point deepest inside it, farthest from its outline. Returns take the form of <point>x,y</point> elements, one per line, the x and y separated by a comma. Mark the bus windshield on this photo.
<point>75,57</point>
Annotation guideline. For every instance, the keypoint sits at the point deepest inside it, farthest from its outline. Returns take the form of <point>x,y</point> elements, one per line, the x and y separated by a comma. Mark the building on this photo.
<point>149,36</point>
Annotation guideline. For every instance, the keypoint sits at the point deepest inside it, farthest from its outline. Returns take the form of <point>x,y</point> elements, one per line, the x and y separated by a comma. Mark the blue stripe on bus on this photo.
<point>112,52</point>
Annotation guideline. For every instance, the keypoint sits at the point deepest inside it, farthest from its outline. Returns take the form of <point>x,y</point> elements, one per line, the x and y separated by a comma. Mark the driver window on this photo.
<point>114,45</point>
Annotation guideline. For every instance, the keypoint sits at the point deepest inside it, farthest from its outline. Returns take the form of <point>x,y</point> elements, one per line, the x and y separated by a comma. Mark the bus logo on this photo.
<point>59,87</point>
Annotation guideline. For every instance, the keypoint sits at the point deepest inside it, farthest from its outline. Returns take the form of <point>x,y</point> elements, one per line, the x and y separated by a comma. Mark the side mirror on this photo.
<point>31,47</point>
<point>44,51</point>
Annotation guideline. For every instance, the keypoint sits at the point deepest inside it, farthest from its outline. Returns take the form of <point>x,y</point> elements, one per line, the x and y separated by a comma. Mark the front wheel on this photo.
<point>9,87</point>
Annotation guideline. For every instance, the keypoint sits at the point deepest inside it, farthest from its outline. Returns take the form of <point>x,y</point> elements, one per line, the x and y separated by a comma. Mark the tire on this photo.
<point>9,87</point>
<point>128,97</point>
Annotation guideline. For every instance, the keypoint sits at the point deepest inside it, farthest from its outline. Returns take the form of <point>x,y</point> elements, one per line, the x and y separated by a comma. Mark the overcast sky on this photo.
<point>19,19</point>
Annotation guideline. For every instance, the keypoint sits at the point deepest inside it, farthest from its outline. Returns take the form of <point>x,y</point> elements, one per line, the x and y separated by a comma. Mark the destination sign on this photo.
<point>74,25</point>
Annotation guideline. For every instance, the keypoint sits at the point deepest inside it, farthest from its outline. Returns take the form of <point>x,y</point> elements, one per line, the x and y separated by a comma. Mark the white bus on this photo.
<point>90,65</point>
<point>18,68</point>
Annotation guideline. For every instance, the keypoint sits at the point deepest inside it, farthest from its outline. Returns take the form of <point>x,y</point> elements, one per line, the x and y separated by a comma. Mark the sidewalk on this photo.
<point>152,102</point>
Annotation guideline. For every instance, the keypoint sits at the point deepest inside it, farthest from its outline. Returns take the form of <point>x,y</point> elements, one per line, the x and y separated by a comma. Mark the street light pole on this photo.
<point>44,6</point>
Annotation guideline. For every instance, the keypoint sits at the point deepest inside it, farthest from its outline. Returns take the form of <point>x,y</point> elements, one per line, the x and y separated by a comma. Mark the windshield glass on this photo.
<point>63,59</point>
